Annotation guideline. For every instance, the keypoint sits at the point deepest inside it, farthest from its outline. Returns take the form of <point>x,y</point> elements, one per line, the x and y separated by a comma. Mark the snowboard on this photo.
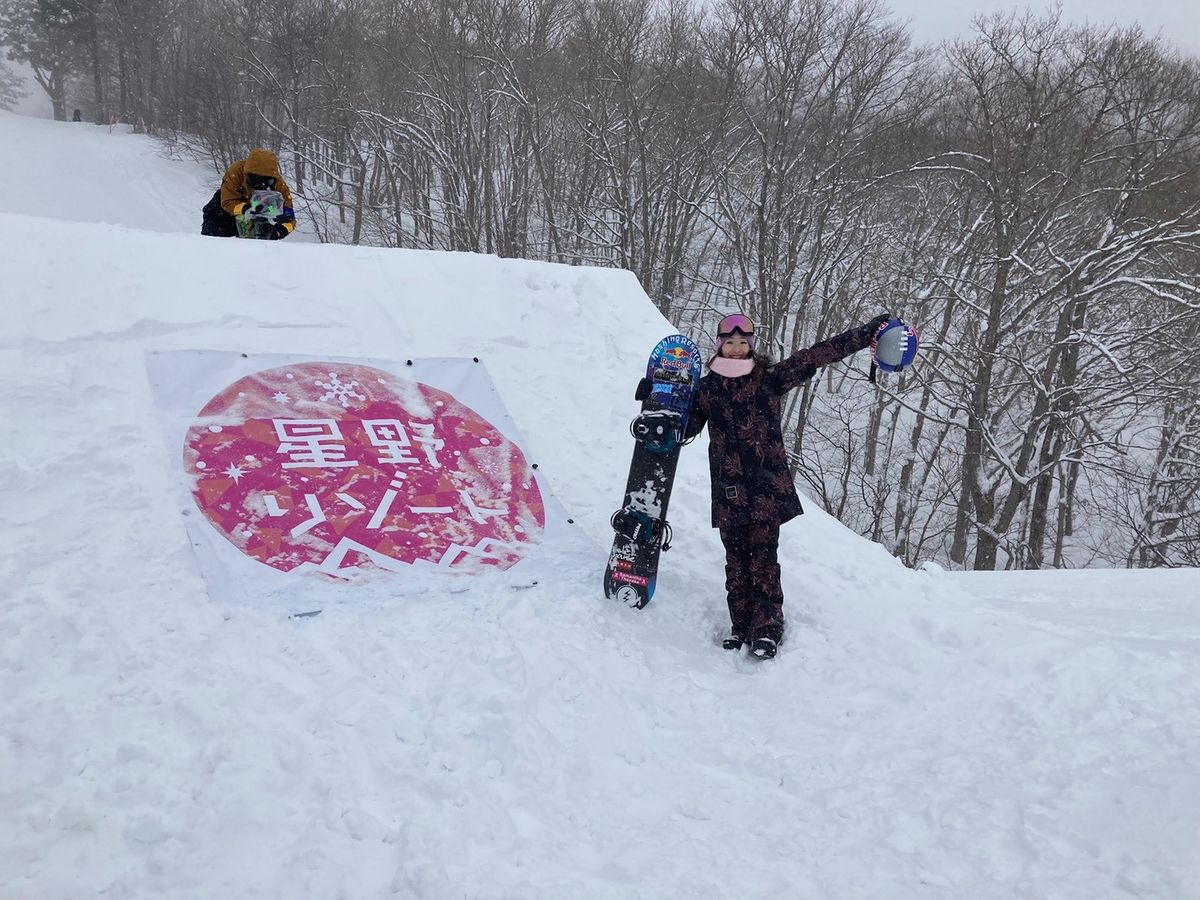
<point>260,225</point>
<point>640,525</point>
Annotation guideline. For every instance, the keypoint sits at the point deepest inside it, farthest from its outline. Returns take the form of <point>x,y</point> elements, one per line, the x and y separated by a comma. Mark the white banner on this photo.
<point>351,470</point>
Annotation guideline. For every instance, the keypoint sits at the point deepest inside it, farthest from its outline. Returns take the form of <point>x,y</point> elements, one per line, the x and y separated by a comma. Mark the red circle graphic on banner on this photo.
<point>332,464</point>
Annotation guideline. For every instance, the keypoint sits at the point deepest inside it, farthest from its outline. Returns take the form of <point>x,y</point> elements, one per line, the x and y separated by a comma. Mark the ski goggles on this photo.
<point>737,322</point>
<point>260,182</point>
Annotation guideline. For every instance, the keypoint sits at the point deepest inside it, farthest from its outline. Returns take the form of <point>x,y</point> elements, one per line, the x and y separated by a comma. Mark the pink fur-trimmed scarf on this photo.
<point>732,368</point>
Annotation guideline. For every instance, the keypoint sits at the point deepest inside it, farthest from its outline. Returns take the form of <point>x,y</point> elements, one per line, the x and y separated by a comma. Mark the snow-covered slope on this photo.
<point>920,735</point>
<point>90,173</point>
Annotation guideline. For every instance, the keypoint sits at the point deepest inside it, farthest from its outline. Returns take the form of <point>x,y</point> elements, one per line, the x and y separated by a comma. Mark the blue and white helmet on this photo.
<point>894,346</point>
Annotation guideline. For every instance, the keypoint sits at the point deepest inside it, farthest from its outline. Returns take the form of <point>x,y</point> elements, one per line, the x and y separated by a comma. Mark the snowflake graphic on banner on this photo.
<point>336,390</point>
<point>332,465</point>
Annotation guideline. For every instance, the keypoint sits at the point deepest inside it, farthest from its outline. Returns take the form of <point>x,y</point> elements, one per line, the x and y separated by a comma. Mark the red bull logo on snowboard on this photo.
<point>676,358</point>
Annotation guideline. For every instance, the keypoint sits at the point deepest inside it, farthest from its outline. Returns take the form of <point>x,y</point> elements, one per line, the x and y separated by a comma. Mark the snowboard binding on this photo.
<point>639,527</point>
<point>659,431</point>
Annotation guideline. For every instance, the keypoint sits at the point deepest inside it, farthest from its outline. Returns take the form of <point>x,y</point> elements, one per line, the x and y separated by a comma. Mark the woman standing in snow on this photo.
<point>752,490</point>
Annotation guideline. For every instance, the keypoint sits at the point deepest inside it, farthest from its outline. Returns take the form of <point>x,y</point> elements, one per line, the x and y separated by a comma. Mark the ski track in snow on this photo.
<point>921,734</point>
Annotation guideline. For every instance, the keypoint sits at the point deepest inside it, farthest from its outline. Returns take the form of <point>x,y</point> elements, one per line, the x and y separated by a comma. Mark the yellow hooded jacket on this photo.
<point>235,193</point>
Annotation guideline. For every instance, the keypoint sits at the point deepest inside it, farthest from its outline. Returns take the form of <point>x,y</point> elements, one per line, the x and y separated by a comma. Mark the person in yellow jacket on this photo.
<point>258,171</point>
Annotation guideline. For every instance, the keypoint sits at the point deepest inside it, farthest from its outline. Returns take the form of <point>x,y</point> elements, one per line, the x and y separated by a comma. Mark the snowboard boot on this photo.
<point>734,641</point>
<point>763,648</point>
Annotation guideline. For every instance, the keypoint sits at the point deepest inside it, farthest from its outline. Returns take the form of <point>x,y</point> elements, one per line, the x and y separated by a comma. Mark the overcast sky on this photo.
<point>937,20</point>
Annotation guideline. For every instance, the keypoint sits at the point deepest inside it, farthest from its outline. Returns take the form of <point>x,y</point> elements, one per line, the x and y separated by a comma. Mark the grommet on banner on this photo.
<point>475,358</point>
<point>408,362</point>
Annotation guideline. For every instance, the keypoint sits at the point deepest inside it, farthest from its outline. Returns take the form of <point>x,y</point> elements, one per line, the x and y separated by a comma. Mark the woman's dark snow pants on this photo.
<point>755,594</point>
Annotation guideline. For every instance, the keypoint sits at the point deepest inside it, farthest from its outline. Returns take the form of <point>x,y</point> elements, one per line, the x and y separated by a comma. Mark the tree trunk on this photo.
<point>100,112</point>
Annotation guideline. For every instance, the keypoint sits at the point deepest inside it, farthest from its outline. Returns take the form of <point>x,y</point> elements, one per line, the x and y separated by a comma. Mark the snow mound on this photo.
<point>920,734</point>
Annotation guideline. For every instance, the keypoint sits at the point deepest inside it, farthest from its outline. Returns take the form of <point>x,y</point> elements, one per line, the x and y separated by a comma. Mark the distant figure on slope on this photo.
<point>752,489</point>
<point>257,172</point>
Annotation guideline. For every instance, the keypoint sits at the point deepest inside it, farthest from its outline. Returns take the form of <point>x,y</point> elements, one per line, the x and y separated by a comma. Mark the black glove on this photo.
<point>871,328</point>
<point>873,325</point>
<point>279,232</point>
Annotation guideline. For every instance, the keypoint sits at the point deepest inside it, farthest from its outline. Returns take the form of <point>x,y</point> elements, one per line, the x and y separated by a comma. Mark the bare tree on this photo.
<point>1029,197</point>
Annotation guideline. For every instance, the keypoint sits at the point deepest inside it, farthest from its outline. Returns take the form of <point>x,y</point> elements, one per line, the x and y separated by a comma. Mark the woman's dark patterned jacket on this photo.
<point>746,456</point>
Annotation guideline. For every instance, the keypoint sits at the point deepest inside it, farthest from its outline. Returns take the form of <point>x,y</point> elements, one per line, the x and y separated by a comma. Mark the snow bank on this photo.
<point>919,735</point>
